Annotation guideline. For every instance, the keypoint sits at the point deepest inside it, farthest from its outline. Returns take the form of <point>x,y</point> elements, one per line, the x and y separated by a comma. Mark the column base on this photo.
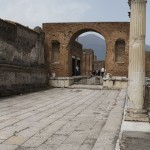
<point>149,115</point>
<point>139,115</point>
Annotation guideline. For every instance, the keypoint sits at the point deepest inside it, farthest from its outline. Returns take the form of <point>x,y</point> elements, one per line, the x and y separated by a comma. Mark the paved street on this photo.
<point>61,119</point>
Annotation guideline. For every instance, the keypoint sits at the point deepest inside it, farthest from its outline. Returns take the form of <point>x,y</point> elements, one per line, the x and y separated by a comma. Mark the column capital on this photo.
<point>136,1</point>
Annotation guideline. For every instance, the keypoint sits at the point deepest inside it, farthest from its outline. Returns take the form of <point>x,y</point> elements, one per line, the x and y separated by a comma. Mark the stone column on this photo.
<point>88,63</point>
<point>83,64</point>
<point>91,62</point>
<point>136,86</point>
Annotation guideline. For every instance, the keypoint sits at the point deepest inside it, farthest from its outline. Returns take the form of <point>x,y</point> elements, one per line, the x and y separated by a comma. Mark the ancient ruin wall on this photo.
<point>76,52</point>
<point>66,33</point>
<point>147,63</point>
<point>76,49</point>
<point>22,63</point>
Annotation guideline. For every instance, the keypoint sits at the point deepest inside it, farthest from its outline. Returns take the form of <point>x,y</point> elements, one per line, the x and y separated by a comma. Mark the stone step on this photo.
<point>86,86</point>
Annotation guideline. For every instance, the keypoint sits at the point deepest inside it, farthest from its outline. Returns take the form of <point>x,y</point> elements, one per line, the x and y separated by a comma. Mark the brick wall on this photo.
<point>66,33</point>
<point>76,54</point>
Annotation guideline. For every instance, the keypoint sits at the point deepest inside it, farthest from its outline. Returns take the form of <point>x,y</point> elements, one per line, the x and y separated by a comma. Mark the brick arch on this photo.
<point>82,30</point>
<point>65,33</point>
<point>72,38</point>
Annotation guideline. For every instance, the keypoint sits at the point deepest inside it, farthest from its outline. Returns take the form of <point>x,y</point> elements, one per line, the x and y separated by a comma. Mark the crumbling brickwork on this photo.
<point>22,62</point>
<point>66,33</point>
<point>20,45</point>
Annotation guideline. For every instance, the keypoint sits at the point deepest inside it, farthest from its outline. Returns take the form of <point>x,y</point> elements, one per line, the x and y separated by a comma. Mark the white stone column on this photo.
<point>136,88</point>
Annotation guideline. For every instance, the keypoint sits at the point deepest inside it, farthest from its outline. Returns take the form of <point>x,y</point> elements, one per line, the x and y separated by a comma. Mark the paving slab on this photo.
<point>61,119</point>
<point>132,140</point>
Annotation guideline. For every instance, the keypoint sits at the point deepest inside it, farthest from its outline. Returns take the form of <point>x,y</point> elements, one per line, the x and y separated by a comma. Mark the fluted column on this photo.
<point>136,86</point>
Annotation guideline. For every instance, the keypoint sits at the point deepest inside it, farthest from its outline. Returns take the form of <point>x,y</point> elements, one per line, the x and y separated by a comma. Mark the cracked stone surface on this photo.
<point>61,119</point>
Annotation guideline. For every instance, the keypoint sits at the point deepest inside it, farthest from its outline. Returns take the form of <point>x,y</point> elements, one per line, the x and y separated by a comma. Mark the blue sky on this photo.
<point>35,12</point>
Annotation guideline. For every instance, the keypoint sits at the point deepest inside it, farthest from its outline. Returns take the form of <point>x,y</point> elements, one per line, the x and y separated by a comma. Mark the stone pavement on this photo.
<point>62,119</point>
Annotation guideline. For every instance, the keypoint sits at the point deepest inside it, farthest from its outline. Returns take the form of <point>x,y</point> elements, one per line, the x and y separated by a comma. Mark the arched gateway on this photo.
<point>60,36</point>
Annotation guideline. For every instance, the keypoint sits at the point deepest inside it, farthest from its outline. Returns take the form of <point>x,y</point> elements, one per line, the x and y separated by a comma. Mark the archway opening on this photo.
<point>88,53</point>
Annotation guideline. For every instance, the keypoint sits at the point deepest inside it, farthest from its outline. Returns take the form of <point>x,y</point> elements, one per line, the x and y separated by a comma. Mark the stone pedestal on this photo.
<point>115,82</point>
<point>136,115</point>
<point>137,56</point>
<point>61,82</point>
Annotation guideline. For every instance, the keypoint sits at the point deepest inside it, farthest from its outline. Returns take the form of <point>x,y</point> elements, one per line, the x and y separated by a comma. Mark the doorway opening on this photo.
<point>93,53</point>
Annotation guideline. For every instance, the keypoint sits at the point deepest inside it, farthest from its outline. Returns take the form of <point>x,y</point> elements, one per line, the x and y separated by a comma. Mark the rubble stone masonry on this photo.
<point>22,62</point>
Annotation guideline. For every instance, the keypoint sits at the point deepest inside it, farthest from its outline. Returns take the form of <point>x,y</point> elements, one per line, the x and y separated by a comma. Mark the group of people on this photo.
<point>99,72</point>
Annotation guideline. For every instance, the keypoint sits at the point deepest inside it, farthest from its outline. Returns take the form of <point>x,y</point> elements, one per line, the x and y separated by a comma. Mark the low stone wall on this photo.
<point>80,79</point>
<point>60,82</point>
<point>17,80</point>
<point>115,82</point>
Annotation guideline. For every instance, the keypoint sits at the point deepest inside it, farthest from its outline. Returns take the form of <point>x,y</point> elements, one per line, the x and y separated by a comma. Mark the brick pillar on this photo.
<point>83,71</point>
<point>91,62</point>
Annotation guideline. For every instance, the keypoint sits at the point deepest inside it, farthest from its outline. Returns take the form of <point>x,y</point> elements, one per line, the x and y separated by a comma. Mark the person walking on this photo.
<point>102,71</point>
<point>77,70</point>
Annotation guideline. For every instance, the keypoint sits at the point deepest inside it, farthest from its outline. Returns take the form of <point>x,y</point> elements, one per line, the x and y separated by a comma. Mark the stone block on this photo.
<point>115,82</point>
<point>61,81</point>
<point>135,141</point>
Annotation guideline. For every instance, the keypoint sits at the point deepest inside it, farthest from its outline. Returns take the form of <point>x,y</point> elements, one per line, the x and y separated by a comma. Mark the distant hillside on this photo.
<point>91,41</point>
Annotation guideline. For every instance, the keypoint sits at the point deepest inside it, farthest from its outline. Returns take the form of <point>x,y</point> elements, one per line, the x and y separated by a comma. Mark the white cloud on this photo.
<point>36,12</point>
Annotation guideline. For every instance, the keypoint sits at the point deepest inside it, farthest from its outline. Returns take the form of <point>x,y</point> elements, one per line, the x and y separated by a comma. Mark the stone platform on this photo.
<point>135,131</point>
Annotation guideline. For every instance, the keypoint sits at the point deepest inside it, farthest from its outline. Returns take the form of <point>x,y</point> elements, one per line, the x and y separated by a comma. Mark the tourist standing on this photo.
<point>77,70</point>
<point>102,71</point>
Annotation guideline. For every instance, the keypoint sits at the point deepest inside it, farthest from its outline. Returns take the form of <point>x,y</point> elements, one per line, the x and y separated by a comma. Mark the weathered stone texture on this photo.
<point>147,63</point>
<point>66,33</point>
<point>16,79</point>
<point>76,53</point>
<point>119,51</point>
<point>87,61</point>
<point>22,62</point>
<point>98,64</point>
<point>20,45</point>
